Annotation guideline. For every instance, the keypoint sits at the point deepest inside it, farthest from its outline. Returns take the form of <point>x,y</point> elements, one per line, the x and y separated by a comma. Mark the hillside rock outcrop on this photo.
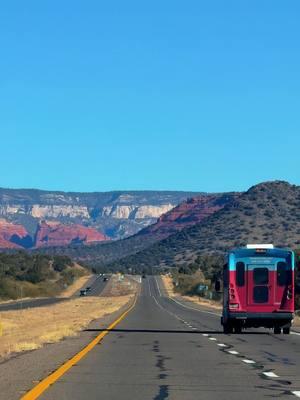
<point>51,233</point>
<point>13,236</point>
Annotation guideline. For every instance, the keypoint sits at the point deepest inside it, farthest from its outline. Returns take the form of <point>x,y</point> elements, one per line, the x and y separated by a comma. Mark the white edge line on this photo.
<point>157,286</point>
<point>149,287</point>
<point>192,308</point>
<point>295,333</point>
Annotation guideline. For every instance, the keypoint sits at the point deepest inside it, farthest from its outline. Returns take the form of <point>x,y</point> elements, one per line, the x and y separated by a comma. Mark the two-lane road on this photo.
<point>168,350</point>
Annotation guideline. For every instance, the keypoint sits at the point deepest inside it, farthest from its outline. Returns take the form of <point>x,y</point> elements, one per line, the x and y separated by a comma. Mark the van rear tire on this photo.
<point>286,331</point>
<point>227,328</point>
<point>237,329</point>
<point>277,330</point>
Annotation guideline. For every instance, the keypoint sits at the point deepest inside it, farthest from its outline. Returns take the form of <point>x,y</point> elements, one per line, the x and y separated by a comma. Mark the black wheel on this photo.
<point>277,330</point>
<point>237,329</point>
<point>286,331</point>
<point>227,328</point>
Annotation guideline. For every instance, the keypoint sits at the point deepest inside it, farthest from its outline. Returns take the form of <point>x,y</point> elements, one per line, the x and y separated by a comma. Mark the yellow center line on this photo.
<point>40,388</point>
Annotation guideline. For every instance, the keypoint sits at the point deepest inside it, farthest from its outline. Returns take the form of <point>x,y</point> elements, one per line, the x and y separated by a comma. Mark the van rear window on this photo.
<point>261,276</point>
<point>240,273</point>
<point>284,274</point>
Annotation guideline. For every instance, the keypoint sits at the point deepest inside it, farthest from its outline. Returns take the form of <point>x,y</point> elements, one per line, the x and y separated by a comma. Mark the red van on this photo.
<point>258,289</point>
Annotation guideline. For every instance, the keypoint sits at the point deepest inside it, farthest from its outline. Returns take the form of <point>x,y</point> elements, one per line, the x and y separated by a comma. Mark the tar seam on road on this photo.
<point>40,388</point>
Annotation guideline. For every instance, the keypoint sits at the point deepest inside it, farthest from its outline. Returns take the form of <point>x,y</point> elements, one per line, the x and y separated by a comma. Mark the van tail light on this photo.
<point>289,293</point>
<point>231,294</point>
<point>234,305</point>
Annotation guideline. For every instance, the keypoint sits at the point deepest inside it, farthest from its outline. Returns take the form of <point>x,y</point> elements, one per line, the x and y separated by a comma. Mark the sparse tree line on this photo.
<point>31,275</point>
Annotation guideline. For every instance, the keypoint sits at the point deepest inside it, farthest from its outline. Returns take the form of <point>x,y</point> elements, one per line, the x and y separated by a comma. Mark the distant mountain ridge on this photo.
<point>187,213</point>
<point>114,215</point>
<point>190,212</point>
<point>267,213</point>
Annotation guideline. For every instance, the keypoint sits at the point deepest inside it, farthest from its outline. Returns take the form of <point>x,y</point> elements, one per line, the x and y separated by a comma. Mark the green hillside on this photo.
<point>266,213</point>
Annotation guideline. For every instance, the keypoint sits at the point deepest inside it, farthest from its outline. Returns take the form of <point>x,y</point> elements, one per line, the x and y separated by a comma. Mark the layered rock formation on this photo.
<point>51,233</point>
<point>193,211</point>
<point>116,214</point>
<point>13,236</point>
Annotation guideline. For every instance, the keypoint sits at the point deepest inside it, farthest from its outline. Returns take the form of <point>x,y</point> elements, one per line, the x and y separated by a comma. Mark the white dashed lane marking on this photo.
<point>248,361</point>
<point>233,352</point>
<point>270,374</point>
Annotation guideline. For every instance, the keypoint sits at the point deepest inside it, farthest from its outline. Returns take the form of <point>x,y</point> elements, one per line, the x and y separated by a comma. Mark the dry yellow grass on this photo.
<point>296,321</point>
<point>168,283</point>
<point>29,329</point>
<point>203,302</point>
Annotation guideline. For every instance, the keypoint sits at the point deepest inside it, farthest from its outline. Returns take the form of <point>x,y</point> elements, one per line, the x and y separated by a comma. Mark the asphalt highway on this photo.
<point>96,283</point>
<point>166,349</point>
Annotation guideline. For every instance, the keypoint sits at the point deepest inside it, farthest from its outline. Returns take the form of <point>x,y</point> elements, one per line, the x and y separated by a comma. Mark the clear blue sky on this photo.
<point>184,95</point>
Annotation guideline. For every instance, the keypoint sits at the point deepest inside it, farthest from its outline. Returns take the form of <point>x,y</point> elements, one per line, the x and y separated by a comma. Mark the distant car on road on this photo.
<point>105,279</point>
<point>88,288</point>
<point>83,292</point>
<point>143,276</point>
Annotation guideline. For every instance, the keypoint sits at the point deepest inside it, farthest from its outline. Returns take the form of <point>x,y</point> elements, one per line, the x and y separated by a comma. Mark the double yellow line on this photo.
<point>40,388</point>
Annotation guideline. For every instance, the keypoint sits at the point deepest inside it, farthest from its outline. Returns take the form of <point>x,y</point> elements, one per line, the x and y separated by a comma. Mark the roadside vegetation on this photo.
<point>34,275</point>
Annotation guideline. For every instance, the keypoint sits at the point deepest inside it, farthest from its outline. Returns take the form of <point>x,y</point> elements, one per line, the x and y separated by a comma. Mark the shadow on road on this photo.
<point>209,332</point>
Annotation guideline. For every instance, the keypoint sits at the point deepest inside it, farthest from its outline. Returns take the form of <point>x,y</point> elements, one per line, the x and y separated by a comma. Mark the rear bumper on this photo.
<point>259,319</point>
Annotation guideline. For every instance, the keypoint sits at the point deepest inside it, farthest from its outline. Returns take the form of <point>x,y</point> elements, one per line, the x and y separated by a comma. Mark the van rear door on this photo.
<point>260,285</point>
